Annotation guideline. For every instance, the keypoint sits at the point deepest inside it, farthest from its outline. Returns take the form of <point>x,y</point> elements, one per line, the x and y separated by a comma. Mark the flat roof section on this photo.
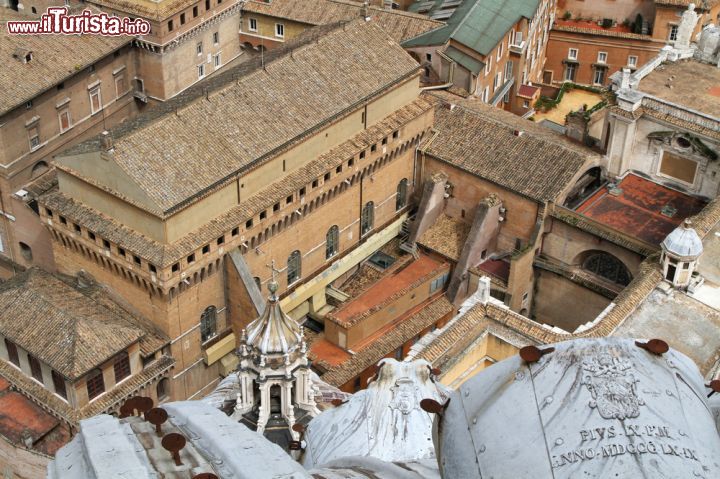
<point>641,208</point>
<point>22,420</point>
<point>689,83</point>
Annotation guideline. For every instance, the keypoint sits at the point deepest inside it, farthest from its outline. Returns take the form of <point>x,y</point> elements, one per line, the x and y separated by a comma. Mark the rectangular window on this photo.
<point>95,100</point>
<point>182,19</point>
<point>526,104</point>
<point>428,57</point>
<point>673,33</point>
<point>216,61</point>
<point>170,26</point>
<point>216,38</point>
<point>279,30</point>
<point>207,4</point>
<point>121,367</point>
<point>34,137</point>
<point>602,57</point>
<point>201,71</point>
<point>12,352</point>
<point>252,24</point>
<point>64,118</point>
<point>199,48</point>
<point>488,66</point>
<point>121,86</point>
<point>500,51</point>
<point>632,61</point>
<point>599,76</point>
<point>59,384</point>
<point>573,54</point>
<point>570,70</point>
<point>195,11</point>
<point>95,384</point>
<point>35,368</point>
<point>485,95</point>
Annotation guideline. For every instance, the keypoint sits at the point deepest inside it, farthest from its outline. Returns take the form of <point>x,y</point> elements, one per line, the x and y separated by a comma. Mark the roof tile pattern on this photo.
<point>164,255</point>
<point>60,325</point>
<point>398,24</point>
<point>207,143</point>
<point>481,140</point>
<point>54,58</point>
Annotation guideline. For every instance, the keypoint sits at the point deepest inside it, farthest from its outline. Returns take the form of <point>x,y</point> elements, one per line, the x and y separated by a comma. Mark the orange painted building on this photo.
<point>590,41</point>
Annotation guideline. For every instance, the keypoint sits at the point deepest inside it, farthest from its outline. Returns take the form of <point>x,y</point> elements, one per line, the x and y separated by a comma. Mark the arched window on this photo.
<point>332,241</point>
<point>121,366</point>
<point>162,389</point>
<point>26,251</point>
<point>367,218</point>
<point>95,384</point>
<point>608,267</point>
<point>258,283</point>
<point>401,197</point>
<point>208,323</point>
<point>293,267</point>
<point>39,168</point>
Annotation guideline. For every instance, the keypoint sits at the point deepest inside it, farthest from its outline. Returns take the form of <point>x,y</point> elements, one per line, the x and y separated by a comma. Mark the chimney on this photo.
<point>107,141</point>
<point>625,80</point>
<point>366,10</point>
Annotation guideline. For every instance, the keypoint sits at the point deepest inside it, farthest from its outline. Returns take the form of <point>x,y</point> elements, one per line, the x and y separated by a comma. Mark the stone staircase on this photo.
<point>405,244</point>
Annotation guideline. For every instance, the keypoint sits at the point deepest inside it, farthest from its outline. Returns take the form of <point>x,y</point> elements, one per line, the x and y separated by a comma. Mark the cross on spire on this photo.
<point>273,284</point>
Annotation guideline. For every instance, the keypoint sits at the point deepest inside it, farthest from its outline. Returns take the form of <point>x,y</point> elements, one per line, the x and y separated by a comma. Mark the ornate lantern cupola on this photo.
<point>274,374</point>
<point>681,250</point>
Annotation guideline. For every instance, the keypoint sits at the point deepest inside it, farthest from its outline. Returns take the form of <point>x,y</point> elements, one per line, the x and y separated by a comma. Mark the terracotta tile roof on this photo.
<point>54,59</point>
<point>149,9</point>
<point>480,139</point>
<point>42,184</point>
<point>600,32</point>
<point>107,402</point>
<point>446,236</point>
<point>176,158</point>
<point>435,310</point>
<point>394,284</point>
<point>400,25</point>
<point>684,3</point>
<point>527,91</point>
<point>163,255</point>
<point>70,331</point>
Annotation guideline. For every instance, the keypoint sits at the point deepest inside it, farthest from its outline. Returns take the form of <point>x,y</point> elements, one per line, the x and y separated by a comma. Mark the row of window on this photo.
<point>602,57</point>
<point>36,368</point>
<point>195,13</point>
<point>279,27</point>
<point>332,237</point>
<point>64,116</point>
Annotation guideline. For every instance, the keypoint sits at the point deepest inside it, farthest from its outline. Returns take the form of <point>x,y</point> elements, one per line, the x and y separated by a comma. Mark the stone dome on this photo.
<point>274,332</point>
<point>683,242</point>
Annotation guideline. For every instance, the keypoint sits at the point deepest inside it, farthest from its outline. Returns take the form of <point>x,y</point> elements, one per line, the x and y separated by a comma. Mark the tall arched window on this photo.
<point>293,267</point>
<point>39,168</point>
<point>367,218</point>
<point>401,197</point>
<point>208,323</point>
<point>332,241</point>
<point>608,266</point>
